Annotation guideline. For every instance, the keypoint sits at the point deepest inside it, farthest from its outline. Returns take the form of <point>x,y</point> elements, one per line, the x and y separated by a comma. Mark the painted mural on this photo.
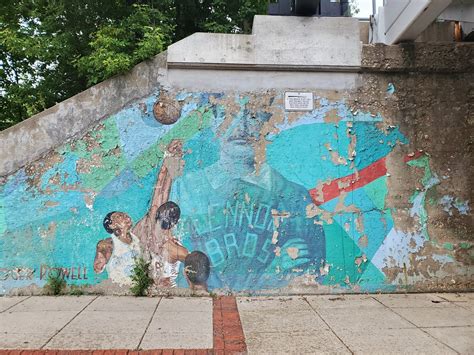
<point>219,191</point>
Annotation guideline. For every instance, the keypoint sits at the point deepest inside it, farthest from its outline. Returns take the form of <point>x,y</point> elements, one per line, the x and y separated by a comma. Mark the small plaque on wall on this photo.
<point>299,101</point>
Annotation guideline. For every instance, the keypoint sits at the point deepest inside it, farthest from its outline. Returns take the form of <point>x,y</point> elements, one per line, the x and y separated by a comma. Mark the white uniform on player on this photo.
<point>162,269</point>
<point>120,264</point>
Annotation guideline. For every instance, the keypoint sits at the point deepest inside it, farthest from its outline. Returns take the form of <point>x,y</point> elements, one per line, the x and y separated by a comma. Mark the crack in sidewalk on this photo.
<point>69,322</point>
<point>16,304</point>
<point>148,325</point>
<point>327,324</point>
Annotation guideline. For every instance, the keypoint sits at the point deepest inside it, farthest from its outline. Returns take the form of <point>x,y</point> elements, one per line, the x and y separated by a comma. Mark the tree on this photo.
<point>52,49</point>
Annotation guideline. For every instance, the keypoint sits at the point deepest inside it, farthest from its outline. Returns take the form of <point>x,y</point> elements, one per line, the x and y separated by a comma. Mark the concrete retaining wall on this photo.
<point>369,191</point>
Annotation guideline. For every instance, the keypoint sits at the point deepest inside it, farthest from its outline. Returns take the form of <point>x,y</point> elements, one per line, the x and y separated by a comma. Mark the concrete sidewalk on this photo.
<point>379,324</point>
<point>336,324</point>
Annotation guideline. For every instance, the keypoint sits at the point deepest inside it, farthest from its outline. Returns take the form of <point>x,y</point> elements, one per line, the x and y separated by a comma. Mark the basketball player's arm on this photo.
<point>103,253</point>
<point>163,183</point>
<point>176,252</point>
<point>144,228</point>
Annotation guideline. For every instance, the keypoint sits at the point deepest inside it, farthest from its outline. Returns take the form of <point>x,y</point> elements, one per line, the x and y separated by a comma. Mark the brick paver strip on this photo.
<point>228,337</point>
<point>228,332</point>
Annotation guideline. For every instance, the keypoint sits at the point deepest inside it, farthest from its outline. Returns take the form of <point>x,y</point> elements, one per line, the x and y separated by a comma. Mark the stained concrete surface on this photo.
<point>360,324</point>
<point>332,324</point>
<point>8,302</point>
<point>183,323</point>
<point>320,42</point>
<point>92,322</point>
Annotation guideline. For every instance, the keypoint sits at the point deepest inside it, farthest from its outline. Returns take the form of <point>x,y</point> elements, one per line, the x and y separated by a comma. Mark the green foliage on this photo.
<point>39,40</point>
<point>51,50</point>
<point>117,47</point>
<point>233,16</point>
<point>75,290</point>
<point>141,279</point>
<point>55,284</point>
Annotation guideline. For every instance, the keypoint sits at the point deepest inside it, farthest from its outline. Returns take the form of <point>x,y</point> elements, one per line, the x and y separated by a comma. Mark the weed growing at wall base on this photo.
<point>141,279</point>
<point>75,290</point>
<point>55,284</point>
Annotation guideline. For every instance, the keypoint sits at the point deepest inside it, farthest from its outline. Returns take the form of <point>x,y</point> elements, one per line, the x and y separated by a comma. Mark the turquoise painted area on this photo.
<point>390,89</point>
<point>371,148</point>
<point>317,115</point>
<point>252,225</point>
<point>204,150</point>
<point>311,162</point>
<point>133,200</point>
<point>418,199</point>
<point>308,163</point>
<point>374,221</point>
<point>232,223</point>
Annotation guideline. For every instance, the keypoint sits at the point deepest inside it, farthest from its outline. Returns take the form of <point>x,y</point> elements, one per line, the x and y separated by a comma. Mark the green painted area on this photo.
<point>372,278</point>
<point>465,245</point>
<point>423,162</point>
<point>448,246</point>
<point>341,252</point>
<point>109,138</point>
<point>419,197</point>
<point>183,130</point>
<point>109,162</point>
<point>244,101</point>
<point>377,190</point>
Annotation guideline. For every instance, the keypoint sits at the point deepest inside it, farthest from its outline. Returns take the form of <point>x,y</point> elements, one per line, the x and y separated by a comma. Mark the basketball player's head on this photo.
<point>117,223</point>
<point>168,215</point>
<point>197,268</point>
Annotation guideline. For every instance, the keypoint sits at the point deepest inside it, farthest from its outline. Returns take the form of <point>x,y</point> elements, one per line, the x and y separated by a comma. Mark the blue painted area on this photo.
<point>390,89</point>
<point>138,130</point>
<point>25,205</point>
<point>318,114</point>
<point>251,223</point>
<point>449,203</point>
<point>134,200</point>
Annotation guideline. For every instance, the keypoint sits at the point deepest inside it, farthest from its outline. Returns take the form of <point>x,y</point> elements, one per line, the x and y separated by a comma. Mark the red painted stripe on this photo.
<point>412,156</point>
<point>351,182</point>
<point>354,181</point>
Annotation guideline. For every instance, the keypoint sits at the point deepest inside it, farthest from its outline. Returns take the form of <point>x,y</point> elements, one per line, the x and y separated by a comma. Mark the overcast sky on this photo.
<point>365,7</point>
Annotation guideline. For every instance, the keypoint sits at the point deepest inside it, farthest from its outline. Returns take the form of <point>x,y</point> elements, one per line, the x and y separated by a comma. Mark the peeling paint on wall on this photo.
<point>449,203</point>
<point>267,197</point>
